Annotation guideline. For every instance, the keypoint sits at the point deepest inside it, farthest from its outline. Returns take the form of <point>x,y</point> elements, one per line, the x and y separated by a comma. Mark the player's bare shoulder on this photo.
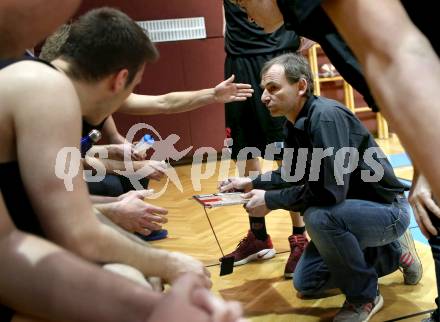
<point>26,85</point>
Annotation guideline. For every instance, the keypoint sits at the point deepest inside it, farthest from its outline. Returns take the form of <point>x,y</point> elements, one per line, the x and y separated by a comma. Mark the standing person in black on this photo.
<point>393,41</point>
<point>335,174</point>
<point>250,125</point>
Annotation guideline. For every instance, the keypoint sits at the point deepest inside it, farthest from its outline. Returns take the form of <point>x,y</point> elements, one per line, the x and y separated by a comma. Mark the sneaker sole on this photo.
<point>413,251</point>
<point>375,309</point>
<point>408,280</point>
<point>261,255</point>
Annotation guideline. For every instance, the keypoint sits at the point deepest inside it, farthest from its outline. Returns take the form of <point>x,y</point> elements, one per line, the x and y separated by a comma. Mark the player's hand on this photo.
<point>235,184</point>
<point>228,91</point>
<point>138,155</point>
<point>151,169</point>
<point>219,310</point>
<point>178,264</point>
<point>156,283</point>
<point>422,203</point>
<point>189,301</point>
<point>139,194</point>
<point>256,206</point>
<point>118,152</point>
<point>135,215</point>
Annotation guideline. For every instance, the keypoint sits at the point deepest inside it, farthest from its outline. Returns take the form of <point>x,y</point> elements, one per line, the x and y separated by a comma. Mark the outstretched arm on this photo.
<point>402,70</point>
<point>178,102</point>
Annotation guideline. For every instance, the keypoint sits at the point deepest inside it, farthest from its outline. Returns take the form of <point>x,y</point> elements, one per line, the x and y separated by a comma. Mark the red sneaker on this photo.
<point>252,249</point>
<point>297,245</point>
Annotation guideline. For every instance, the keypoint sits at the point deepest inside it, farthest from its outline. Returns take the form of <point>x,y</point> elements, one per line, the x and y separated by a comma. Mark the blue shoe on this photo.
<point>155,235</point>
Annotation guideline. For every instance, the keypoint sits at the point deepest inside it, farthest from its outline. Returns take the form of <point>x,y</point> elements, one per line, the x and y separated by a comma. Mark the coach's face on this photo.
<point>264,13</point>
<point>281,97</point>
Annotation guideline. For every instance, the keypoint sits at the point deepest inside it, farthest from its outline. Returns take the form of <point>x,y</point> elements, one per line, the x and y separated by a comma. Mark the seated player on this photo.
<point>39,287</point>
<point>38,125</point>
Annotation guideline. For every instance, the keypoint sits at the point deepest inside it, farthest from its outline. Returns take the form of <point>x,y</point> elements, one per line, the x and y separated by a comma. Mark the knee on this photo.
<point>128,272</point>
<point>298,283</point>
<point>317,219</point>
<point>303,286</point>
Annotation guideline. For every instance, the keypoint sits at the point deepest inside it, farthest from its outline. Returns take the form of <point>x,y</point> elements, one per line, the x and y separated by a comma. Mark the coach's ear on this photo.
<point>302,87</point>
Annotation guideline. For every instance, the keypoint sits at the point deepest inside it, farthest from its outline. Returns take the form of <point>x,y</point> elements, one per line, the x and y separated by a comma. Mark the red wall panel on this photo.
<point>167,73</point>
<point>167,9</point>
<point>169,124</point>
<point>203,67</point>
<point>183,65</point>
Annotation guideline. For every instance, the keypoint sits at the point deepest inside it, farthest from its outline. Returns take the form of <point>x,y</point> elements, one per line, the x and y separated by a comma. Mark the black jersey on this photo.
<point>243,37</point>
<point>11,184</point>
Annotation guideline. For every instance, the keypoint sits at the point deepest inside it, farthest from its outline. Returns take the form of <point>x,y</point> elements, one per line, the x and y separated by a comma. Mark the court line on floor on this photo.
<point>399,160</point>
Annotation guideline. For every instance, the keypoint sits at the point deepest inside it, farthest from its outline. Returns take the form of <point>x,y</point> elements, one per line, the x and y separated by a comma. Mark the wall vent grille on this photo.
<point>175,29</point>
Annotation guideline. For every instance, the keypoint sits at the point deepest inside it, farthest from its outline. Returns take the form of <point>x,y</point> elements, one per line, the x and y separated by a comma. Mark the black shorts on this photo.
<point>249,123</point>
<point>113,186</point>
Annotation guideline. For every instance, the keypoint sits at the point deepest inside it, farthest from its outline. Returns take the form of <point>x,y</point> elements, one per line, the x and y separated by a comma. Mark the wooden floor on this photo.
<point>260,287</point>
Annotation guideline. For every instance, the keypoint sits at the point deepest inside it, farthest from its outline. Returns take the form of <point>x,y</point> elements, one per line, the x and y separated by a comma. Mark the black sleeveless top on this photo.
<point>11,184</point>
<point>243,37</point>
<point>14,193</point>
<point>15,196</point>
<point>17,200</point>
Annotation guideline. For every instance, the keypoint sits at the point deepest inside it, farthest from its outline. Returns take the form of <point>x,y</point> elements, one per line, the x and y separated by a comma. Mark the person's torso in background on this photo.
<point>243,37</point>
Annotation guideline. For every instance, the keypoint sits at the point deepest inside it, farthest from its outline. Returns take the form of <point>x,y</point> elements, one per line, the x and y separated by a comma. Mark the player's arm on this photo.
<point>45,275</point>
<point>102,199</point>
<point>44,125</point>
<point>150,168</point>
<point>402,70</point>
<point>110,131</point>
<point>178,102</point>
